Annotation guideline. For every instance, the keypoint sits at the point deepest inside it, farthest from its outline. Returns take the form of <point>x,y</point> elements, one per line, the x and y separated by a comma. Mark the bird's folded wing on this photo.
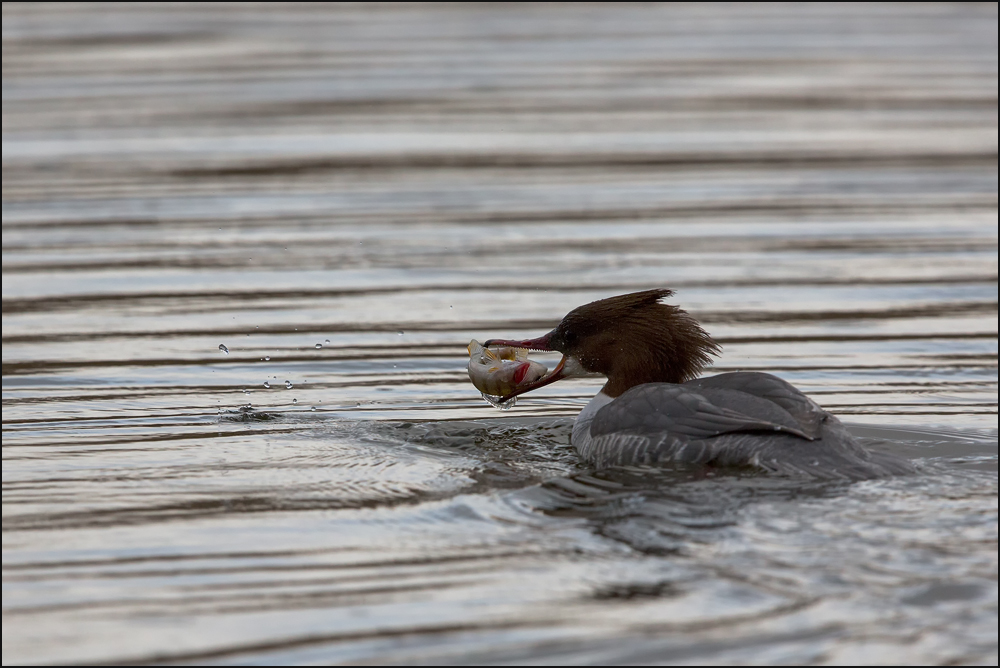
<point>803,410</point>
<point>663,407</point>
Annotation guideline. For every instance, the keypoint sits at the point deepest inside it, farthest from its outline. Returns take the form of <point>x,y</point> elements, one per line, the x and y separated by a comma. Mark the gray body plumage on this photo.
<point>733,419</point>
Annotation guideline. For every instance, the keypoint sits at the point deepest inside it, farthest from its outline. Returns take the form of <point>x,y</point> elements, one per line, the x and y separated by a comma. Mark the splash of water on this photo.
<point>496,403</point>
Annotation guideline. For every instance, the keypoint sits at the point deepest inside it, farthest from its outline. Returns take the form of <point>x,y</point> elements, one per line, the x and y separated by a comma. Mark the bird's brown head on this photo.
<point>631,339</point>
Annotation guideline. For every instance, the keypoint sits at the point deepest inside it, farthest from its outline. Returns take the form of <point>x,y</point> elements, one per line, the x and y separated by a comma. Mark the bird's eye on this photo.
<point>569,337</point>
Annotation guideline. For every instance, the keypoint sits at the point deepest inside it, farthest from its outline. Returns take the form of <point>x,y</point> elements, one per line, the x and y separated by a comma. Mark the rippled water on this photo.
<point>311,210</point>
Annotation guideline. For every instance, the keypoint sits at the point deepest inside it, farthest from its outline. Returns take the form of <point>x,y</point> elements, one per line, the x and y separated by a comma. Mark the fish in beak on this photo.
<point>499,371</point>
<point>542,343</point>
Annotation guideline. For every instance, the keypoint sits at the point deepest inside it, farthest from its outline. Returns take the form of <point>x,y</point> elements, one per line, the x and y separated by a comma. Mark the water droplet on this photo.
<point>267,385</point>
<point>288,384</point>
<point>496,403</point>
<point>399,333</point>
<point>313,409</point>
<point>223,348</point>
<point>267,358</point>
<point>295,401</point>
<point>246,391</point>
<point>318,346</point>
<point>451,307</point>
<point>327,342</point>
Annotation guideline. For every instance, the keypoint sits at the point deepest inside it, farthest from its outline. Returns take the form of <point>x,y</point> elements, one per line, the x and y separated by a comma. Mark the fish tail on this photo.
<point>475,347</point>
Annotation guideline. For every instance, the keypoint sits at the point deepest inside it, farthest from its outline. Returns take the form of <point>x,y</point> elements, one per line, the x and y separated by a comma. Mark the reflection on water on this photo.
<point>312,210</point>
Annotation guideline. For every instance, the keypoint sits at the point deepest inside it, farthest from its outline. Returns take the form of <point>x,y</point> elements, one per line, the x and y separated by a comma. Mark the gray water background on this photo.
<point>343,196</point>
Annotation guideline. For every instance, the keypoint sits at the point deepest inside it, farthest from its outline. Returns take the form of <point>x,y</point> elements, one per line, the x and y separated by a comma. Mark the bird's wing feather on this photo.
<point>807,415</point>
<point>677,409</point>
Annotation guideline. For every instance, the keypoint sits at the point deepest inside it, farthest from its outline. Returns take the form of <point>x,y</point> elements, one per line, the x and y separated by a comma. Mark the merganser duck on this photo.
<point>654,411</point>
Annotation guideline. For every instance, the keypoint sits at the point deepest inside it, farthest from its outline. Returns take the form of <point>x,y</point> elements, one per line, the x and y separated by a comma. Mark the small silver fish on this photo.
<point>500,371</point>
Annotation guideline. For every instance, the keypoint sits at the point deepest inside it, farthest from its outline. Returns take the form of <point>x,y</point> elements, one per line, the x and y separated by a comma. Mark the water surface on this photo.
<point>342,197</point>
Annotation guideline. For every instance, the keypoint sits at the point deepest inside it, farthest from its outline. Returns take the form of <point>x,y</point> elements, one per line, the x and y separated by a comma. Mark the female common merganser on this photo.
<point>653,411</point>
